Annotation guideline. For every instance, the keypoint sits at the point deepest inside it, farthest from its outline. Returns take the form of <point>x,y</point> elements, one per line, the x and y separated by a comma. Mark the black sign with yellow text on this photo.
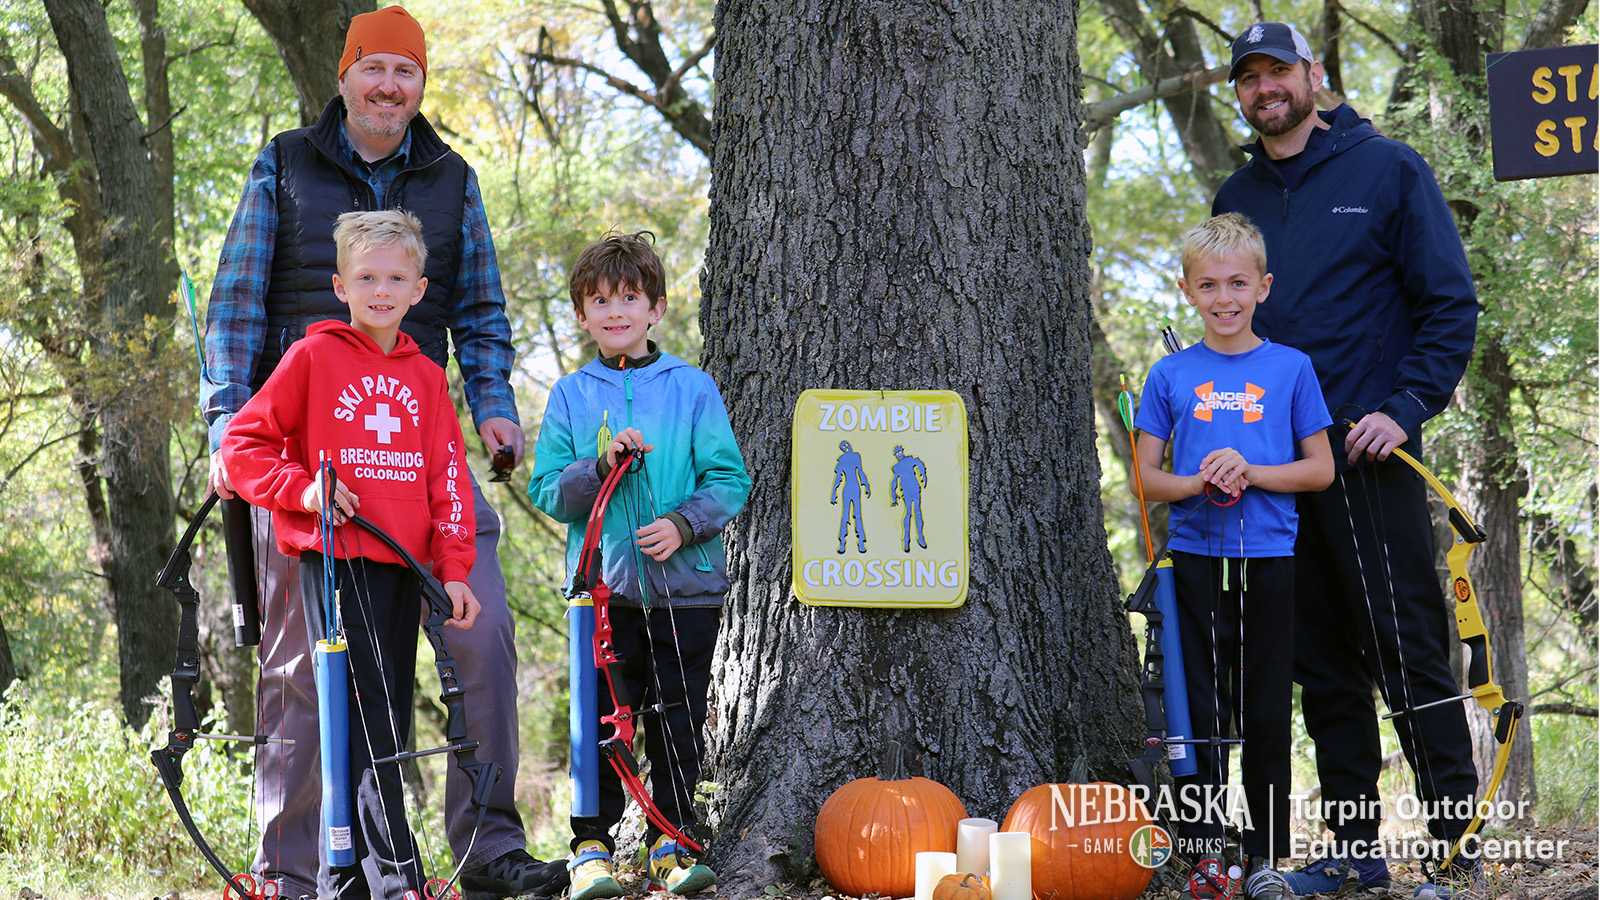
<point>1543,112</point>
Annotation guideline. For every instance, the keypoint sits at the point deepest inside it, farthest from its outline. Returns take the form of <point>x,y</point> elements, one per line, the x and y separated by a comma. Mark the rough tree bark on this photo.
<point>309,35</point>
<point>897,202</point>
<point>125,291</point>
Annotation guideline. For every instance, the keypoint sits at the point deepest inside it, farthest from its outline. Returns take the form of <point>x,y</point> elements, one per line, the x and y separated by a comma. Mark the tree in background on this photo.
<point>898,203</point>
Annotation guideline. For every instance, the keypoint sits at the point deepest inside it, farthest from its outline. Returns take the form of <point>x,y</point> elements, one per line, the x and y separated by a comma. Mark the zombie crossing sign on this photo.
<point>879,498</point>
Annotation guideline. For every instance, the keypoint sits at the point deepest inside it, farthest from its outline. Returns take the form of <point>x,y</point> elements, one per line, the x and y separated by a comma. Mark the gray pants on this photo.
<point>288,778</point>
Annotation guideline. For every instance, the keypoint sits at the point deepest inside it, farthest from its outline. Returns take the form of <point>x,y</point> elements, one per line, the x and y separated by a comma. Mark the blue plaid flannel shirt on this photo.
<point>236,318</point>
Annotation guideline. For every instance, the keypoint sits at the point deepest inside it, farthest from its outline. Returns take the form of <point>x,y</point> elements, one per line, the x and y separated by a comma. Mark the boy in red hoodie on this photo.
<point>364,395</point>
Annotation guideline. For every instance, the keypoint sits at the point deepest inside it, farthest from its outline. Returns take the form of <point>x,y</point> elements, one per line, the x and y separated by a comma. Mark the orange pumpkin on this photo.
<point>962,886</point>
<point>870,831</point>
<point>1082,840</point>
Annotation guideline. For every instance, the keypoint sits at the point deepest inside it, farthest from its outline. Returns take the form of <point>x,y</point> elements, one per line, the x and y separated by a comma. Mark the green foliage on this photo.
<point>1564,763</point>
<point>85,810</point>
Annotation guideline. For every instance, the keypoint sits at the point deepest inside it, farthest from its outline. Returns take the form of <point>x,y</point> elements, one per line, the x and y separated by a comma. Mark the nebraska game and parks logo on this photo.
<point>1150,846</point>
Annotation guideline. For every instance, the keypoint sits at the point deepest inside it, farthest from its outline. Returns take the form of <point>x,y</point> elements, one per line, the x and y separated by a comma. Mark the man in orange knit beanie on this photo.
<point>370,150</point>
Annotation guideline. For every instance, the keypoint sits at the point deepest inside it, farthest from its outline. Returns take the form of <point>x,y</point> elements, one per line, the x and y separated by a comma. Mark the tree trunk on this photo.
<point>1492,469</point>
<point>309,35</point>
<point>897,202</point>
<point>128,291</point>
<point>1497,484</point>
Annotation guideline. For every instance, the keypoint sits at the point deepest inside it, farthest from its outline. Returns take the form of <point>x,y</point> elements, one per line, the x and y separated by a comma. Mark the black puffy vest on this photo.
<point>316,183</point>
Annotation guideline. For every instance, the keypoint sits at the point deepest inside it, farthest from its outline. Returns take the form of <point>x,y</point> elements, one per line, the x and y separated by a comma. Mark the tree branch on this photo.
<point>626,87</point>
<point>1570,709</point>
<point>1550,23</point>
<point>1102,113</point>
<point>51,141</point>
<point>694,60</point>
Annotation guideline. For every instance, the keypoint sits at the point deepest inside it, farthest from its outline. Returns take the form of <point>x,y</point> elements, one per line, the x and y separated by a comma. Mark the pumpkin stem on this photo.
<point>1079,774</point>
<point>893,767</point>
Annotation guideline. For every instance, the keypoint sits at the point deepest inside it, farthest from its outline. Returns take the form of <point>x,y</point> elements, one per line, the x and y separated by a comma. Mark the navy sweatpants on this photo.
<point>666,656</point>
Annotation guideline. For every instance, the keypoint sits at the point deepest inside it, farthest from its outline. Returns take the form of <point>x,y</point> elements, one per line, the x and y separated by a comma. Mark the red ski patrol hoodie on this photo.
<point>386,422</point>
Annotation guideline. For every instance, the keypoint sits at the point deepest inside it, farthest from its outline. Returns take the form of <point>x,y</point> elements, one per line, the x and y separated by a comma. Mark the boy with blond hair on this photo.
<point>668,575</point>
<point>363,395</point>
<point>1236,409</point>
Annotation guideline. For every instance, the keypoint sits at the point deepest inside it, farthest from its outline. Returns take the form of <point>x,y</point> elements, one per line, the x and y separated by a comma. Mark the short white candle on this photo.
<point>932,865</point>
<point>972,845</point>
<point>1011,865</point>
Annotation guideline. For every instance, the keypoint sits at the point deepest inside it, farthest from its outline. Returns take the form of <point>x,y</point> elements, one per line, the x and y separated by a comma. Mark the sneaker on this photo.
<point>591,873</point>
<point>1209,881</point>
<point>1267,884</point>
<point>515,873</point>
<point>672,869</point>
<point>1461,880</point>
<point>1331,875</point>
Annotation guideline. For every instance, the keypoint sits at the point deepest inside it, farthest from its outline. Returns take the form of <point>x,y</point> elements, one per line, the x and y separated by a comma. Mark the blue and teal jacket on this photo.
<point>695,470</point>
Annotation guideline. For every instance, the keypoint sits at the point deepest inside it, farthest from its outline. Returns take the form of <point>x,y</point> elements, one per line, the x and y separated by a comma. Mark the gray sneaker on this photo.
<point>1267,884</point>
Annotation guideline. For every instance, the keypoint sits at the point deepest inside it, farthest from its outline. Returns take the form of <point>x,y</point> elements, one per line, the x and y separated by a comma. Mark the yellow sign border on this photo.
<point>963,456</point>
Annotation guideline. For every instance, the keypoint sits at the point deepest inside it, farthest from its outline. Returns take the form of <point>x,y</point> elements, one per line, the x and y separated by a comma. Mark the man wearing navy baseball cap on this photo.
<point>1371,282</point>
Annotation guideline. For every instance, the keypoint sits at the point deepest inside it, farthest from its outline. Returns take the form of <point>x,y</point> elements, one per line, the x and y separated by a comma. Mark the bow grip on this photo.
<point>1478,660</point>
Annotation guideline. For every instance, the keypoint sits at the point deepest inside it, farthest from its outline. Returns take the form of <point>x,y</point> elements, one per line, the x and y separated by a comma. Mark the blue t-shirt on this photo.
<point>1262,403</point>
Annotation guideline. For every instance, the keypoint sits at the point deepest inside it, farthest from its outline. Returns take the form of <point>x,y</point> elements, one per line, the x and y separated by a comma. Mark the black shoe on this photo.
<point>516,874</point>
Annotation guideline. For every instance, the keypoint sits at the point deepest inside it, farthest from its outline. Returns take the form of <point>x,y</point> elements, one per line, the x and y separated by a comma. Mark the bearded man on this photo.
<point>1371,282</point>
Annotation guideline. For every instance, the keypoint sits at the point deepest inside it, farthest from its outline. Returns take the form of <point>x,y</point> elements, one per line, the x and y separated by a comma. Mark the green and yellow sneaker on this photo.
<point>592,873</point>
<point>672,869</point>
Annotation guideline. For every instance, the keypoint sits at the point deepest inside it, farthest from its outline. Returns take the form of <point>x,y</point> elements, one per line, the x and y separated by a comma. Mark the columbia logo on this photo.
<point>1255,35</point>
<point>1339,210</point>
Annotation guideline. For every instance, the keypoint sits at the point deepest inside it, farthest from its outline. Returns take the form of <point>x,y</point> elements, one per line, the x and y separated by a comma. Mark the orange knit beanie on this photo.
<point>388,30</point>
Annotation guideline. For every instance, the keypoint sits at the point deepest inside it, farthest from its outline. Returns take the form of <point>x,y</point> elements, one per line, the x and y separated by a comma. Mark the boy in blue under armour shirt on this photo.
<point>1248,429</point>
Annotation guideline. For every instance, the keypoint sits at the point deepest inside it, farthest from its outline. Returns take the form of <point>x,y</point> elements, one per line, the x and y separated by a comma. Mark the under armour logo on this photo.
<point>1255,35</point>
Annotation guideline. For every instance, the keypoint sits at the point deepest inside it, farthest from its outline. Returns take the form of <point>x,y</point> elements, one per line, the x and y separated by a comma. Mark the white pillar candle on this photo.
<point>972,845</point>
<point>932,865</point>
<point>1011,865</point>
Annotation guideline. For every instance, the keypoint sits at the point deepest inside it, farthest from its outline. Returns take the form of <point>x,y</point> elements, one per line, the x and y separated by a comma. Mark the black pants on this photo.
<point>381,605</point>
<point>1238,666</point>
<point>1372,613</point>
<point>666,656</point>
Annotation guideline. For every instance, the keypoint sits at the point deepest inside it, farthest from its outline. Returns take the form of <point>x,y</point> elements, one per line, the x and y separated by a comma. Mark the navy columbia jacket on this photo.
<point>1369,276</point>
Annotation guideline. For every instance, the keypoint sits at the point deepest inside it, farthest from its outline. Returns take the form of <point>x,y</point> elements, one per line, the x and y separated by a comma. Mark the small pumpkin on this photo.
<point>962,886</point>
<point>1082,847</point>
<point>870,830</point>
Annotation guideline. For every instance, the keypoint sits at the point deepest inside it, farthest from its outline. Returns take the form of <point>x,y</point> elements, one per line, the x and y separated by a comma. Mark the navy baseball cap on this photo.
<point>1275,39</point>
